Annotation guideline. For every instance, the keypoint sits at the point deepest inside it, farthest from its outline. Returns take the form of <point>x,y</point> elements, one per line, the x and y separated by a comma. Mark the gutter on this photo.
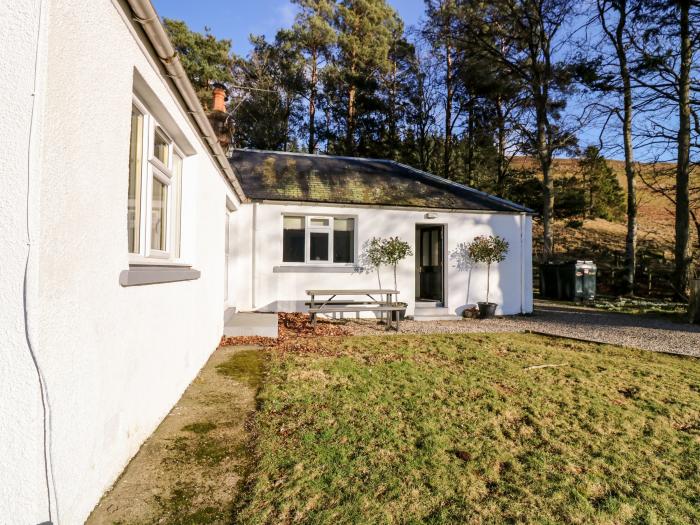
<point>147,17</point>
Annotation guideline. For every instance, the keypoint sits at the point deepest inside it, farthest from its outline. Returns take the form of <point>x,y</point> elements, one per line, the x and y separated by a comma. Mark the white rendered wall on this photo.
<point>258,230</point>
<point>22,483</point>
<point>115,359</point>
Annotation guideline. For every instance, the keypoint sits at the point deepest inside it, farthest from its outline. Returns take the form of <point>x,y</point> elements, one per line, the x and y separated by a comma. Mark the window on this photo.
<point>155,181</point>
<point>343,240</point>
<point>318,239</point>
<point>159,219</point>
<point>177,203</point>
<point>161,146</point>
<point>135,165</point>
<point>293,239</point>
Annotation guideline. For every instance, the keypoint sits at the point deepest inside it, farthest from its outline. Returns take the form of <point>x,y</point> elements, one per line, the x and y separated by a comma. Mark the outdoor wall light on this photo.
<point>431,215</point>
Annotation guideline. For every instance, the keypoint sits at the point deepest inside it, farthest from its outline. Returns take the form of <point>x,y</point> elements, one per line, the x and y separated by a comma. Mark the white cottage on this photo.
<point>112,236</point>
<point>307,219</point>
<point>126,232</point>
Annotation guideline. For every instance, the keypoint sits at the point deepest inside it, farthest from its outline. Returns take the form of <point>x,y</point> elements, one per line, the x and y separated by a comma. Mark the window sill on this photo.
<point>149,273</point>
<point>315,268</point>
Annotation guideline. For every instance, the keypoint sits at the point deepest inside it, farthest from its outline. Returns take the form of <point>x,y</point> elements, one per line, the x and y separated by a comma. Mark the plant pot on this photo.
<point>487,310</point>
<point>400,313</point>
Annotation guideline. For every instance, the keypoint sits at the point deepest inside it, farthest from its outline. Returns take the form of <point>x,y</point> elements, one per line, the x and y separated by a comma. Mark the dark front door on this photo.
<point>429,263</point>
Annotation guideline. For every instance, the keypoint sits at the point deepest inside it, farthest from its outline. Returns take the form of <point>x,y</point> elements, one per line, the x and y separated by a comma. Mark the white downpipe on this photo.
<point>522,263</point>
<point>253,269</point>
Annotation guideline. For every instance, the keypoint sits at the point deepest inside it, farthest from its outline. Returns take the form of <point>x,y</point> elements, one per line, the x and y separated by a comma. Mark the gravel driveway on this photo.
<point>649,333</point>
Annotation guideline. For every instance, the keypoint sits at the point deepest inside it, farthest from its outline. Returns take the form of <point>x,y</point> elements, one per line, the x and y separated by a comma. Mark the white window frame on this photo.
<point>320,229</point>
<point>153,168</point>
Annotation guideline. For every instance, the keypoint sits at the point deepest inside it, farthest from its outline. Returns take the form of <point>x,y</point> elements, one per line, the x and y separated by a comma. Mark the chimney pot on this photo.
<point>219,98</point>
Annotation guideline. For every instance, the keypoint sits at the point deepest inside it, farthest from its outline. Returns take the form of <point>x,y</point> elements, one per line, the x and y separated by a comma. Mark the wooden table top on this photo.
<point>360,291</point>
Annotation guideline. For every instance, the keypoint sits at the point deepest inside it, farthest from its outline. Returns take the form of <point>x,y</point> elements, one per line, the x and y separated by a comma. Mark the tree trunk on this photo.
<point>312,101</point>
<point>470,141</point>
<point>631,238</point>
<point>287,115</point>
<point>500,161</point>
<point>682,252</point>
<point>545,160</point>
<point>393,112</point>
<point>488,281</point>
<point>449,95</point>
<point>350,136</point>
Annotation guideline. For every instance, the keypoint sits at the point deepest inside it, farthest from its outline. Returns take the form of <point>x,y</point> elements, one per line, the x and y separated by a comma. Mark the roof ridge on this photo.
<point>318,155</point>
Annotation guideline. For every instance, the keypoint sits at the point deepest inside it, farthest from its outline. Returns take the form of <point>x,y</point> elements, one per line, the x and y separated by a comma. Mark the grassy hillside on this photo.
<point>604,241</point>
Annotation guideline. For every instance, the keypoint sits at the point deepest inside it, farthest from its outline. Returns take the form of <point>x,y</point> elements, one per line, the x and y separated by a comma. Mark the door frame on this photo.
<point>418,227</point>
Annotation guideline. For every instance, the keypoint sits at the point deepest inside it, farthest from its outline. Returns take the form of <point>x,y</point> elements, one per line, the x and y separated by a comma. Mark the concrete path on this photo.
<point>638,331</point>
<point>250,324</point>
<point>191,468</point>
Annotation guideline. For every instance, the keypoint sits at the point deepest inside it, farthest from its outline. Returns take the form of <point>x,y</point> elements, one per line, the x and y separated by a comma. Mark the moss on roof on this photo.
<point>267,175</point>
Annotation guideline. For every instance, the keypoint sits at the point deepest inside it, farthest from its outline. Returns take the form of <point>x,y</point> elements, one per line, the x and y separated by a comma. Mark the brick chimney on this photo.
<point>219,98</point>
<point>219,117</point>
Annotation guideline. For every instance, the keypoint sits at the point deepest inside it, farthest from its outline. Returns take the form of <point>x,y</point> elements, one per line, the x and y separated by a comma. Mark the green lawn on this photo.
<point>455,429</point>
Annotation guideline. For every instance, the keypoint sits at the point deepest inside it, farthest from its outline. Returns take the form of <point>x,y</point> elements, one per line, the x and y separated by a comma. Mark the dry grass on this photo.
<point>457,429</point>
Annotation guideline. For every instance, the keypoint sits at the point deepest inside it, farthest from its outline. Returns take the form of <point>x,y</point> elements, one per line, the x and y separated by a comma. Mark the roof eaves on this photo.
<point>146,16</point>
<point>350,204</point>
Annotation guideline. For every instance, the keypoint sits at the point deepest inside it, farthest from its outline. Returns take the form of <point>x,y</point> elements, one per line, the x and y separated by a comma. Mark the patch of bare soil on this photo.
<point>192,467</point>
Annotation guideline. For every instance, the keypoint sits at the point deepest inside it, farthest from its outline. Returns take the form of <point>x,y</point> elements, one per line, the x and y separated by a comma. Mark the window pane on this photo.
<point>319,222</point>
<point>343,240</point>
<point>159,226</point>
<point>161,147</point>
<point>318,246</point>
<point>425,243</point>
<point>293,239</point>
<point>293,223</point>
<point>135,157</point>
<point>176,186</point>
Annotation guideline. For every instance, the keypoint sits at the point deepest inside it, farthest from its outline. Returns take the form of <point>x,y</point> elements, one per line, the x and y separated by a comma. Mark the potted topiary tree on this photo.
<point>374,256</point>
<point>487,249</point>
<point>394,250</point>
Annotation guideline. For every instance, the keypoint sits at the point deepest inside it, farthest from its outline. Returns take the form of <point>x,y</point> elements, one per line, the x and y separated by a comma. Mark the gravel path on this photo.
<point>637,331</point>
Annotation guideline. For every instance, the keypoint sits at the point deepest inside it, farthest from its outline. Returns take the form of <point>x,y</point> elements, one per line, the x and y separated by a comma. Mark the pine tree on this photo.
<point>205,58</point>
<point>603,193</point>
<point>616,18</point>
<point>669,74</point>
<point>440,30</point>
<point>522,36</point>
<point>313,35</point>
<point>364,32</point>
<point>268,109</point>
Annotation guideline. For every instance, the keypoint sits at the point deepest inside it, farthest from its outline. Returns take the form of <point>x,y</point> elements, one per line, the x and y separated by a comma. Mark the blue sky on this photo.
<point>236,19</point>
<point>239,18</point>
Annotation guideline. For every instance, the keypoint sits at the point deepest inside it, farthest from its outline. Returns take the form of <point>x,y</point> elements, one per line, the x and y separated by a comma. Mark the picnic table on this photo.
<point>323,301</point>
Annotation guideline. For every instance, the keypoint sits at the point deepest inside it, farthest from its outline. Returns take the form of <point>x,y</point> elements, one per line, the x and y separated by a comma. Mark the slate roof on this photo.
<point>280,176</point>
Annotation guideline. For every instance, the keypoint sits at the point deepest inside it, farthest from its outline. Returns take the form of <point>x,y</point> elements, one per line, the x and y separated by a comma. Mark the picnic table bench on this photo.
<point>329,305</point>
